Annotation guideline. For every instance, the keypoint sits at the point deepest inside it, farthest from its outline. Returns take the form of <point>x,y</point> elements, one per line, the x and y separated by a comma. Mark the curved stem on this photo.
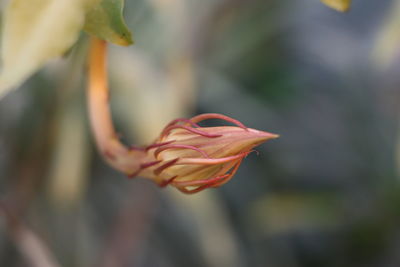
<point>117,154</point>
<point>98,94</point>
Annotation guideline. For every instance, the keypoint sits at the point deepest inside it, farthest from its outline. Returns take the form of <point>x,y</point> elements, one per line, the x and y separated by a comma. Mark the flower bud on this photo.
<point>193,158</point>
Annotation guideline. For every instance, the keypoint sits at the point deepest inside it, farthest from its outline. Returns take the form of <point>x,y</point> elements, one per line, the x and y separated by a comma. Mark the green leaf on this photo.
<point>105,21</point>
<point>35,31</point>
<point>339,5</point>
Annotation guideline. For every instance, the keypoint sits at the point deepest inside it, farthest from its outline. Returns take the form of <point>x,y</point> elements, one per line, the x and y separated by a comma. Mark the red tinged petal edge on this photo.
<point>192,158</point>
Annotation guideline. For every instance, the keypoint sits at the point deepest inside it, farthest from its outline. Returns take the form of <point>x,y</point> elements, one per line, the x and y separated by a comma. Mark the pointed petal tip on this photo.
<point>274,136</point>
<point>264,135</point>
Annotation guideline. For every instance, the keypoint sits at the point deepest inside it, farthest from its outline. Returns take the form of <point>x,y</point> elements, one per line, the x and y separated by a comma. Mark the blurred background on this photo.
<point>326,193</point>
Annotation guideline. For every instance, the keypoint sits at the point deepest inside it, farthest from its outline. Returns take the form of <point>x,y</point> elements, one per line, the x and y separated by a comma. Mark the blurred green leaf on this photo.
<point>105,21</point>
<point>339,5</point>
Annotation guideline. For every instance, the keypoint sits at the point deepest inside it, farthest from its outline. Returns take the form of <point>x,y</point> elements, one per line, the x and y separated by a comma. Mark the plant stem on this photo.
<point>117,154</point>
<point>98,94</point>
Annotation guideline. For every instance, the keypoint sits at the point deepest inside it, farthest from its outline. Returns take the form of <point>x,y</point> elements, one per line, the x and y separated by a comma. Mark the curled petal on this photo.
<point>158,145</point>
<point>200,182</point>
<point>207,116</point>
<point>215,181</point>
<point>167,182</point>
<point>144,166</point>
<point>192,191</point>
<point>185,190</point>
<point>149,164</point>
<point>207,183</point>
<point>186,121</point>
<point>164,166</point>
<point>231,174</point>
<point>168,129</point>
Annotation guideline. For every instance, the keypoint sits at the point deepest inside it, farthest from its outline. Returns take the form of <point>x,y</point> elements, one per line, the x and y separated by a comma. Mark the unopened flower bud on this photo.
<point>192,158</point>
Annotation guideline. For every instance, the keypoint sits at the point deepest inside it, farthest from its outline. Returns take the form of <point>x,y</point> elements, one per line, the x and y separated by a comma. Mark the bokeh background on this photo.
<point>326,193</point>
